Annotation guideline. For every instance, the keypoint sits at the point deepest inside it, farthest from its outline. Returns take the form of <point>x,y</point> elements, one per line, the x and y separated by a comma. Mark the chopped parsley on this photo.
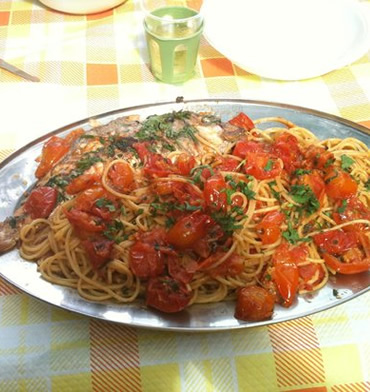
<point>343,206</point>
<point>304,196</point>
<point>196,172</point>
<point>105,203</point>
<point>301,172</point>
<point>227,222</point>
<point>269,165</point>
<point>87,161</point>
<point>274,192</point>
<point>240,186</point>
<point>58,181</point>
<point>112,231</point>
<point>291,235</point>
<point>367,185</point>
<point>346,162</point>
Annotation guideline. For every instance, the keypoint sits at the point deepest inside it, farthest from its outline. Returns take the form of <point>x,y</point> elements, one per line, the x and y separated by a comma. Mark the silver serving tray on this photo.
<point>17,175</point>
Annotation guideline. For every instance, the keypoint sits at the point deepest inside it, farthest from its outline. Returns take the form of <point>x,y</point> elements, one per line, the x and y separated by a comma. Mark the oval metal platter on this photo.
<point>17,176</point>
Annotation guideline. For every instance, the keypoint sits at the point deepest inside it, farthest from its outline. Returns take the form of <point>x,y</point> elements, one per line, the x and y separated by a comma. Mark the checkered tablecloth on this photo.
<point>97,63</point>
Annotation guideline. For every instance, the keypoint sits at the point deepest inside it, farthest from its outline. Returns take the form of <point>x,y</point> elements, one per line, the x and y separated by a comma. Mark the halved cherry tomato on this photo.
<point>167,294</point>
<point>307,273</point>
<point>262,165</point>
<point>244,147</point>
<point>269,228</point>
<point>82,182</point>
<point>355,267</point>
<point>254,303</point>
<point>286,148</point>
<point>185,163</point>
<point>317,157</point>
<point>340,185</point>
<point>336,242</point>
<point>41,202</point>
<point>353,209</point>
<point>188,230</point>
<point>84,221</point>
<point>147,256</point>
<point>232,266</point>
<point>285,274</point>
<point>142,150</point>
<point>158,166</point>
<point>99,251</point>
<point>54,150</point>
<point>227,164</point>
<point>242,121</point>
<point>121,176</point>
<point>181,269</point>
<point>214,192</point>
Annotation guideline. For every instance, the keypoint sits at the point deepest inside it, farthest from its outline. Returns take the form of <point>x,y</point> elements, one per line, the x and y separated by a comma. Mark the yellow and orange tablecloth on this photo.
<point>97,63</point>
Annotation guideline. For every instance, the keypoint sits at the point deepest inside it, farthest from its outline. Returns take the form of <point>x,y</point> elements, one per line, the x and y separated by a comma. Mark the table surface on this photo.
<point>97,63</point>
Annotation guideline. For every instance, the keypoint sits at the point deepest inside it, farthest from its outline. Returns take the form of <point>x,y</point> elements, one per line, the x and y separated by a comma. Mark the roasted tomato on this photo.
<point>349,210</point>
<point>242,121</point>
<point>309,271</point>
<point>336,242</point>
<point>254,303</point>
<point>286,148</point>
<point>82,182</point>
<point>158,166</point>
<point>285,274</point>
<point>262,165</point>
<point>315,182</point>
<point>99,251</point>
<point>41,202</point>
<point>54,150</point>
<point>268,229</point>
<point>244,147</point>
<point>339,184</point>
<point>185,163</point>
<point>181,269</point>
<point>167,294</point>
<point>215,193</point>
<point>84,221</point>
<point>356,265</point>
<point>227,164</point>
<point>188,230</point>
<point>232,266</point>
<point>121,176</point>
<point>148,254</point>
<point>317,157</point>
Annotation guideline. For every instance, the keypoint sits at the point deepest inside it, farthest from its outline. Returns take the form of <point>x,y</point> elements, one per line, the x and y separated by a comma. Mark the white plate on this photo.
<point>288,39</point>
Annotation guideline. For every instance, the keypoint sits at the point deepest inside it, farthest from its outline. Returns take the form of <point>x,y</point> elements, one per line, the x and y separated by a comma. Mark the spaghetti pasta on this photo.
<point>183,208</point>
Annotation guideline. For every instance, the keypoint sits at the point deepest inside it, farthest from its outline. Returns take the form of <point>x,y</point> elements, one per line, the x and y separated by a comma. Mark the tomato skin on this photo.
<point>158,166</point>
<point>307,272</point>
<point>41,202</point>
<point>317,157</point>
<point>142,149</point>
<point>269,228</point>
<point>99,251</point>
<point>254,303</point>
<point>336,242</point>
<point>183,271</point>
<point>185,163</point>
<point>347,268</point>
<point>256,163</point>
<point>188,230</point>
<point>54,150</point>
<point>286,147</point>
<point>354,209</point>
<point>243,121</point>
<point>214,192</point>
<point>315,182</point>
<point>227,164</point>
<point>84,221</point>
<point>244,147</point>
<point>167,294</point>
<point>82,182</point>
<point>340,185</point>
<point>232,266</point>
<point>121,176</point>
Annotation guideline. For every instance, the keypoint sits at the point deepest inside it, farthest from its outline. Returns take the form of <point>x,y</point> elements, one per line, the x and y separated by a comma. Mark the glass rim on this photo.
<point>148,13</point>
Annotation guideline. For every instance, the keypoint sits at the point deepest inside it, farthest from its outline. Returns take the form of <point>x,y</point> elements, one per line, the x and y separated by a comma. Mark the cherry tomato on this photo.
<point>227,164</point>
<point>41,202</point>
<point>286,148</point>
<point>167,294</point>
<point>340,185</point>
<point>353,209</point>
<point>307,272</point>
<point>317,157</point>
<point>355,267</point>
<point>232,266</point>
<point>214,193</point>
<point>244,147</point>
<point>336,242</point>
<point>159,166</point>
<point>254,303</point>
<point>242,121</point>
<point>142,149</point>
<point>285,274</point>
<point>98,252</point>
<point>82,182</point>
<point>181,269</point>
<point>74,135</point>
<point>121,176</point>
<point>315,182</point>
<point>148,254</point>
<point>269,228</point>
<point>185,163</point>
<point>262,165</point>
<point>84,221</point>
<point>54,150</point>
<point>188,230</point>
